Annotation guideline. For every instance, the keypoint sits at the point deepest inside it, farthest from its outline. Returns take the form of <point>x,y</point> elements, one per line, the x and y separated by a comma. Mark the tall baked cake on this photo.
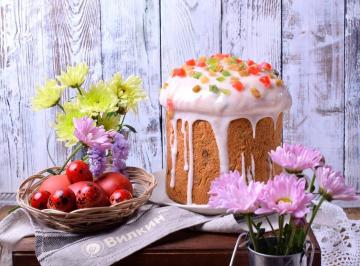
<point>222,114</point>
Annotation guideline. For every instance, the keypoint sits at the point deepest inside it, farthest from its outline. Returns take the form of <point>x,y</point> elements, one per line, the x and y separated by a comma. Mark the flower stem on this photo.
<point>281,224</point>
<point>79,90</point>
<point>75,151</point>
<point>249,223</point>
<point>122,121</point>
<point>271,226</point>
<point>314,212</point>
<point>292,236</point>
<point>48,150</point>
<point>311,187</point>
<point>61,107</point>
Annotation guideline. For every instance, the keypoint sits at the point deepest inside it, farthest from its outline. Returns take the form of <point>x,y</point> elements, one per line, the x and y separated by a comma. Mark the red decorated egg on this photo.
<point>78,171</point>
<point>62,200</point>
<point>39,199</point>
<point>55,182</point>
<point>89,194</point>
<point>112,181</point>
<point>120,195</point>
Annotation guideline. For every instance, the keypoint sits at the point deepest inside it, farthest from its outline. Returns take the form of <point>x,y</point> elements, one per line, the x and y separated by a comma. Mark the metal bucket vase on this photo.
<point>304,258</point>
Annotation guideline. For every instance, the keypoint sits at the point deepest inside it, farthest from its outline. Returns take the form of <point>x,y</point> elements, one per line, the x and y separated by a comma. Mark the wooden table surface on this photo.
<point>181,248</point>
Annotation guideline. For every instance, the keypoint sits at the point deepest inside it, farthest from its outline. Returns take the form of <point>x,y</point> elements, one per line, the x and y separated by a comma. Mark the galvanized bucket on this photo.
<point>304,258</point>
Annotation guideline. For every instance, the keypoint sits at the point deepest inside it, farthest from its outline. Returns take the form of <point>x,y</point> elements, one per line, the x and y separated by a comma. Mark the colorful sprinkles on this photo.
<point>180,72</point>
<point>196,88</point>
<point>265,80</point>
<point>255,92</point>
<point>214,89</point>
<point>196,75</point>
<point>222,67</point>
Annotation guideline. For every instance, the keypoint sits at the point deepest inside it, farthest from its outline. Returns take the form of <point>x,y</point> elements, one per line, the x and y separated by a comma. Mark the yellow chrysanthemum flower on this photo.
<point>99,99</point>
<point>64,126</point>
<point>74,76</point>
<point>46,96</point>
<point>110,121</point>
<point>129,91</point>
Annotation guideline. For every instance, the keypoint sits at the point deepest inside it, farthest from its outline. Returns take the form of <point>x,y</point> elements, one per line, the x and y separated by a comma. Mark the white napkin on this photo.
<point>13,228</point>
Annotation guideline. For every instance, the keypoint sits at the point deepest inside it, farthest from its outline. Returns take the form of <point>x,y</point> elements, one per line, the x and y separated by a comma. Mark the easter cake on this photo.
<point>222,114</point>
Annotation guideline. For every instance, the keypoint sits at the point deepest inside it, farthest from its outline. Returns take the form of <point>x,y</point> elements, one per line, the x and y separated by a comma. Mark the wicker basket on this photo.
<point>88,219</point>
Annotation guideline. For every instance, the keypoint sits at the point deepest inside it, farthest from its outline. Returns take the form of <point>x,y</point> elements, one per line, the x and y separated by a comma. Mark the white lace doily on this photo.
<point>338,237</point>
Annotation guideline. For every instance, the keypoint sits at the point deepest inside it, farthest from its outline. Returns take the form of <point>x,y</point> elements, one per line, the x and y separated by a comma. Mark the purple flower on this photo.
<point>332,185</point>
<point>120,151</point>
<point>231,192</point>
<point>285,194</point>
<point>296,157</point>
<point>97,161</point>
<point>90,135</point>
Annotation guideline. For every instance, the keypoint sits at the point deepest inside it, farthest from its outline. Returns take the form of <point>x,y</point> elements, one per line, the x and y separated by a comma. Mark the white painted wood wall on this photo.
<point>315,45</point>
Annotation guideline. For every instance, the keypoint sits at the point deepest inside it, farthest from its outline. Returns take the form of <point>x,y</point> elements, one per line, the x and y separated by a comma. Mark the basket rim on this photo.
<point>21,194</point>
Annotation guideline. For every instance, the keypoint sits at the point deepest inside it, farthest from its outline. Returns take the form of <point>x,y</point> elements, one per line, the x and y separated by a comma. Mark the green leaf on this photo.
<point>258,225</point>
<point>132,129</point>
<point>14,209</point>
<point>51,172</point>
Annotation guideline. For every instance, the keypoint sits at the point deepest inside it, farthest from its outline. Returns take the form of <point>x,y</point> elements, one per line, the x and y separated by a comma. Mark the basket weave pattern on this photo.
<point>88,219</point>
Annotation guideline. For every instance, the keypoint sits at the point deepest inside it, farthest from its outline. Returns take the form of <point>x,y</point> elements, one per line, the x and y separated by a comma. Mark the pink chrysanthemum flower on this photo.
<point>332,185</point>
<point>296,157</point>
<point>231,192</point>
<point>285,194</point>
<point>90,135</point>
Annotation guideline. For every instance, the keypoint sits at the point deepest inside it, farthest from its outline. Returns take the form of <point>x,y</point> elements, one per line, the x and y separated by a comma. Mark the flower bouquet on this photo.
<point>97,190</point>
<point>289,195</point>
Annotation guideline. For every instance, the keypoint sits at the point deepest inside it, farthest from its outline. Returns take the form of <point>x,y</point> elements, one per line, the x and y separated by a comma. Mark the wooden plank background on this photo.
<point>314,44</point>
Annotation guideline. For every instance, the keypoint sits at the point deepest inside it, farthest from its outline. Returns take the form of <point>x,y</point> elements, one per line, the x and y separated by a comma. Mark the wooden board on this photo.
<point>130,37</point>
<point>252,30</point>
<point>313,69</point>
<point>38,38</point>
<point>352,93</point>
<point>314,43</point>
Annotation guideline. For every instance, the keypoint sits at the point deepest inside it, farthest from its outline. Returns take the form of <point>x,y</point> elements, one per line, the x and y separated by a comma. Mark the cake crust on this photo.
<point>206,154</point>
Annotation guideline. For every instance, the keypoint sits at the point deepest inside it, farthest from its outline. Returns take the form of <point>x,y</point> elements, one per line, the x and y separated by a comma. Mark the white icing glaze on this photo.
<point>219,110</point>
<point>253,166</point>
<point>273,100</point>
<point>183,130</point>
<point>173,153</point>
<point>249,175</point>
<point>243,170</point>
<point>220,127</point>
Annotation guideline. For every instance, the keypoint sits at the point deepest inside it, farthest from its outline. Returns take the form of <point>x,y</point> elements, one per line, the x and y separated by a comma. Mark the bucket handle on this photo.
<point>309,246</point>
<point>237,245</point>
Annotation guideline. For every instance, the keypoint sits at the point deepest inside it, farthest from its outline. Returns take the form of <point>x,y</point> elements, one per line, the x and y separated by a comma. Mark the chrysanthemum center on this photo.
<point>284,200</point>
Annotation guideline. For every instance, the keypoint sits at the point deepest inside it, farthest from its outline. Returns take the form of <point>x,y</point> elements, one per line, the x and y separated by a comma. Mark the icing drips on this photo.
<point>253,166</point>
<point>173,153</point>
<point>243,170</point>
<point>218,90</point>
<point>191,165</point>
<point>183,131</point>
